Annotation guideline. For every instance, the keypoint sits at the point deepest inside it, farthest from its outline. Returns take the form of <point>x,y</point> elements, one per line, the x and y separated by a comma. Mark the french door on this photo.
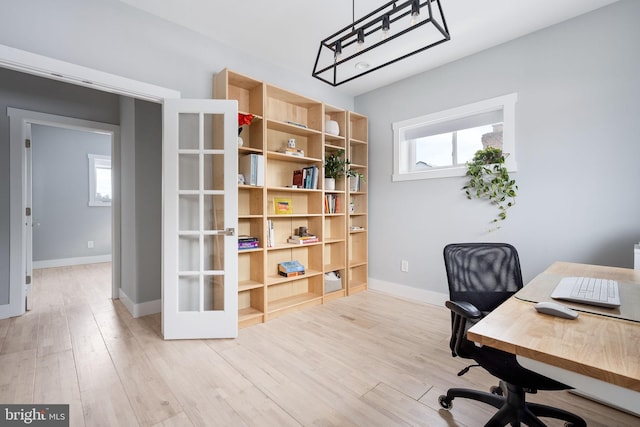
<point>200,204</point>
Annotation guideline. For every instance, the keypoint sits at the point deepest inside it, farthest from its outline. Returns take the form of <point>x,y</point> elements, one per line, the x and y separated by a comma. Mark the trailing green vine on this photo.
<point>489,179</point>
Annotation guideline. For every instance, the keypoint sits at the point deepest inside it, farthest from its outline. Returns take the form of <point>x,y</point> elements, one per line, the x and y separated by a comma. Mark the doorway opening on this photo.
<point>67,145</point>
<point>71,223</point>
<point>71,197</point>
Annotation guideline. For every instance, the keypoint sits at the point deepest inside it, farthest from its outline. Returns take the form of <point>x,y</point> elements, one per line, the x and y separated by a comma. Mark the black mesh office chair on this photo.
<point>481,276</point>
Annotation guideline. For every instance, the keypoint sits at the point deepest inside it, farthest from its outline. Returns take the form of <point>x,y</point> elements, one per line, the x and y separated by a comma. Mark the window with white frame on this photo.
<point>438,145</point>
<point>99,180</point>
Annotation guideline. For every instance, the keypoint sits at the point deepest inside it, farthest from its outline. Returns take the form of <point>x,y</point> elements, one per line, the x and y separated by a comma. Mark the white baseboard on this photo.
<point>142,309</point>
<point>408,292</point>
<point>64,262</point>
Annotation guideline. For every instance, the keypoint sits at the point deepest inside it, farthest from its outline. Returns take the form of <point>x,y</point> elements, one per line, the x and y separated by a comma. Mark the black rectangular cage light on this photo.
<point>394,31</point>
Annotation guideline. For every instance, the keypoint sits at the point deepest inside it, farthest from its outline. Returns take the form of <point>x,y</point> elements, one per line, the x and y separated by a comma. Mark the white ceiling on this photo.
<point>288,32</point>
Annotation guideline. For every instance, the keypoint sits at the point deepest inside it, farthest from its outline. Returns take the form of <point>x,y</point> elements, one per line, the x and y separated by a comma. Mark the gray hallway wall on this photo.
<point>63,220</point>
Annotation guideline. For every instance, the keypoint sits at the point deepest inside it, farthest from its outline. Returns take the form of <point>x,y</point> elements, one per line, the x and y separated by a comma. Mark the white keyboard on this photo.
<point>588,290</point>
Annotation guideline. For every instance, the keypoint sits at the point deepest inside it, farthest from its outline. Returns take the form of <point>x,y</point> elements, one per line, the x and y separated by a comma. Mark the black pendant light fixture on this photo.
<point>392,32</point>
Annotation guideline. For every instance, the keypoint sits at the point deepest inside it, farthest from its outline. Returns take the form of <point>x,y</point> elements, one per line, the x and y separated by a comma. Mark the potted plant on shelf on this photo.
<point>335,166</point>
<point>243,119</point>
<point>488,178</point>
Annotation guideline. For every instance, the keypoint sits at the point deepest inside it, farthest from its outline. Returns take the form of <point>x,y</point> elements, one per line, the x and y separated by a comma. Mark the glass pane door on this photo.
<point>200,289</point>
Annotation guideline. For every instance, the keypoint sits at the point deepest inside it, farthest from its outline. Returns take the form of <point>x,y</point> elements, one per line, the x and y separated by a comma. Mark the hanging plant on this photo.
<point>489,179</point>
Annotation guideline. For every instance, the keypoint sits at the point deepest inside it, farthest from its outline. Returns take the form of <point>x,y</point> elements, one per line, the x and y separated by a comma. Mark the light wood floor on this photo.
<point>366,360</point>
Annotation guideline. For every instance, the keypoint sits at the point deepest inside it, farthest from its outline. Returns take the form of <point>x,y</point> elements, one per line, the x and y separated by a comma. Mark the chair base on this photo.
<point>512,408</point>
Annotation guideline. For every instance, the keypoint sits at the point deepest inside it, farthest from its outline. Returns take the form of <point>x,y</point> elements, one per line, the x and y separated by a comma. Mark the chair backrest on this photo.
<point>484,274</point>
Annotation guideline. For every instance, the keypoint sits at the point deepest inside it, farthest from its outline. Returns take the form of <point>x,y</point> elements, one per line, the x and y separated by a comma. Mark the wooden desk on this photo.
<point>591,347</point>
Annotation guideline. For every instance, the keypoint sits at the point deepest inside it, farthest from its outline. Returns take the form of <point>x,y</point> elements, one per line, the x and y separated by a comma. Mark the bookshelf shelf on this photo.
<point>250,216</point>
<point>247,150</point>
<point>247,285</point>
<point>281,246</point>
<point>247,314</point>
<point>282,116</point>
<point>296,190</point>
<point>292,158</point>
<point>291,128</point>
<point>293,301</point>
<point>277,280</point>
<point>243,251</point>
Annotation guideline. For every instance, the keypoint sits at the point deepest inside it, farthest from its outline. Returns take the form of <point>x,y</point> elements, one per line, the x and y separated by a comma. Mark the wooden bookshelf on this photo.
<point>281,115</point>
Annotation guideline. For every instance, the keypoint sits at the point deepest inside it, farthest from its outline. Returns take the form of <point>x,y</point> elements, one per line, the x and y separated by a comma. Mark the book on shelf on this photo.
<point>296,124</point>
<point>290,268</point>
<point>298,178</point>
<point>248,245</point>
<point>299,152</point>
<point>251,166</point>
<point>248,242</point>
<point>302,240</point>
<point>354,183</point>
<point>292,274</point>
<point>270,234</point>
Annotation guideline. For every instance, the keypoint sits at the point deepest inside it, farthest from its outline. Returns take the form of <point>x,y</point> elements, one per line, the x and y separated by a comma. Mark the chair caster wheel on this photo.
<point>496,390</point>
<point>445,403</point>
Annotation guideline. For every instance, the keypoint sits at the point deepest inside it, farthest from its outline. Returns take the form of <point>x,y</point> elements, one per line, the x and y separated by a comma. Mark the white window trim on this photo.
<point>95,161</point>
<point>506,103</point>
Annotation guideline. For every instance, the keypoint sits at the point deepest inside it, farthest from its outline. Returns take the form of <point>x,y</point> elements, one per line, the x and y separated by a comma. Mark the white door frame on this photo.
<point>54,69</point>
<point>20,122</point>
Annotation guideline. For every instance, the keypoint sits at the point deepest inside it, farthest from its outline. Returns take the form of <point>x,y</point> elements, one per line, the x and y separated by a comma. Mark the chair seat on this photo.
<point>504,365</point>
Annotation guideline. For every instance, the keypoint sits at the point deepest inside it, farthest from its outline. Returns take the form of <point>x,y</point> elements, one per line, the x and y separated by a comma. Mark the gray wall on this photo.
<point>33,93</point>
<point>113,37</point>
<point>148,191</point>
<point>577,149</point>
<point>63,220</point>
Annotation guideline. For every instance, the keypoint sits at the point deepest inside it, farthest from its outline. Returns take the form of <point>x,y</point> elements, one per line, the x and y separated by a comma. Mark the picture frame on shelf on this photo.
<point>282,206</point>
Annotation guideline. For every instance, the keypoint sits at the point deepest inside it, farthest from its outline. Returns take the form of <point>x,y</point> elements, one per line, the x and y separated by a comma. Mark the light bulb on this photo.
<point>360,39</point>
<point>415,12</point>
<point>338,51</point>
<point>385,27</point>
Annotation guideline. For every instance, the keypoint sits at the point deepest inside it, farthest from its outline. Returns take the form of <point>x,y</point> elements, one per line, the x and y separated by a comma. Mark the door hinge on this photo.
<point>28,280</point>
<point>27,143</point>
<point>229,231</point>
<point>28,212</point>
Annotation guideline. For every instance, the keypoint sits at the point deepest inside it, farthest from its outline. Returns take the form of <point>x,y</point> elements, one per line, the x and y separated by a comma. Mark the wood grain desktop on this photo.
<point>593,345</point>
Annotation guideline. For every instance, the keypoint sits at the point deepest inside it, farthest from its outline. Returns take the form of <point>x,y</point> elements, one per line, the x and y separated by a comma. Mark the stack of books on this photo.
<point>303,240</point>
<point>332,204</point>
<point>252,167</point>
<point>292,151</point>
<point>290,269</point>
<point>248,242</point>
<point>306,177</point>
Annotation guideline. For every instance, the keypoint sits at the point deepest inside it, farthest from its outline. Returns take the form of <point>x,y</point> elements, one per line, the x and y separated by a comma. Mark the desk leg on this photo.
<point>603,392</point>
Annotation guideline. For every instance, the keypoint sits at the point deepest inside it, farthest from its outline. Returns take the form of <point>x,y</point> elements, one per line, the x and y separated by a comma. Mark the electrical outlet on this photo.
<point>405,266</point>
<point>90,244</point>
